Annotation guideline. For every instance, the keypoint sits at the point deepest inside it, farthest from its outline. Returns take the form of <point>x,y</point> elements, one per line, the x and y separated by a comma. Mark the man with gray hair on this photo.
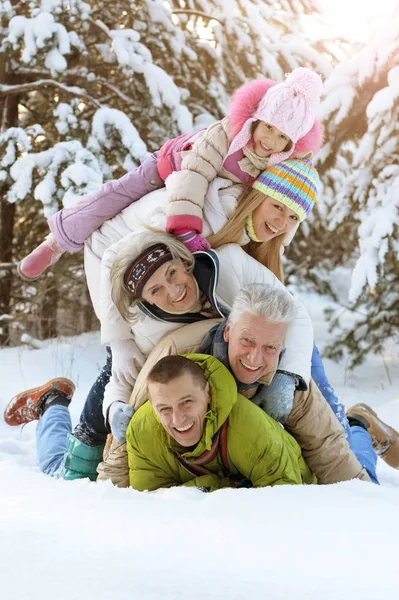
<point>251,342</point>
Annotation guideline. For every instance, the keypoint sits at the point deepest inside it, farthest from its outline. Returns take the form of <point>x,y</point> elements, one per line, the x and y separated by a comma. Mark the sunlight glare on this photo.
<point>353,19</point>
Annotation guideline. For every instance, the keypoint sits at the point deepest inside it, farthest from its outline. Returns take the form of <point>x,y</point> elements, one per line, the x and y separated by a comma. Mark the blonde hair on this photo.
<point>121,296</point>
<point>267,253</point>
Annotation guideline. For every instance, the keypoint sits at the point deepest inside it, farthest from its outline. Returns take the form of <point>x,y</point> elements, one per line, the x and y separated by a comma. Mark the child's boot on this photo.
<point>30,404</point>
<point>45,255</point>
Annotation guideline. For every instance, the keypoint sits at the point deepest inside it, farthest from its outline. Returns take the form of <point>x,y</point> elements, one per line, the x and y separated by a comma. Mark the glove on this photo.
<point>279,396</point>
<point>119,415</point>
<point>193,240</point>
<point>127,361</point>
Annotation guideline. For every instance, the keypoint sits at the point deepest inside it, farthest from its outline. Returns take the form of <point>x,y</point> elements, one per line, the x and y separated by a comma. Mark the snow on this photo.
<point>163,90</point>
<point>107,119</point>
<point>124,47</point>
<point>66,118</point>
<point>384,99</point>
<point>16,139</point>
<point>79,170</point>
<point>37,33</point>
<point>65,161</point>
<point>73,540</point>
<point>370,181</point>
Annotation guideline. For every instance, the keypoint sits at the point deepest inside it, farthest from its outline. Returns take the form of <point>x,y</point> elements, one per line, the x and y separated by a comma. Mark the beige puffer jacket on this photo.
<point>188,187</point>
<point>311,422</point>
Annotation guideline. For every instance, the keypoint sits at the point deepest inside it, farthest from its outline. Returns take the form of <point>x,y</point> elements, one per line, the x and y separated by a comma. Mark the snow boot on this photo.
<point>385,439</point>
<point>45,255</point>
<point>29,405</point>
<point>81,460</point>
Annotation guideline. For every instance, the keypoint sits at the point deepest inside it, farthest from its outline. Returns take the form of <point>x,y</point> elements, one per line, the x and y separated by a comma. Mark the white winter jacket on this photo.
<point>236,270</point>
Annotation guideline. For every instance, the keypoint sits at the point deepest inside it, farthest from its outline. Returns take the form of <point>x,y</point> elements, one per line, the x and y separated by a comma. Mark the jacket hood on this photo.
<point>244,103</point>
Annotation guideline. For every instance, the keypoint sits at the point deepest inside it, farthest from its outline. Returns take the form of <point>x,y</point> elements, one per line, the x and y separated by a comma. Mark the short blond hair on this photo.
<point>121,296</point>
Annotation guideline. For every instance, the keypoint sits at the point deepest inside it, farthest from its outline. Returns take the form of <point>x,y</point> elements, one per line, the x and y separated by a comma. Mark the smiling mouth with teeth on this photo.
<point>248,367</point>
<point>272,229</point>
<point>265,148</point>
<point>183,429</point>
<point>182,296</point>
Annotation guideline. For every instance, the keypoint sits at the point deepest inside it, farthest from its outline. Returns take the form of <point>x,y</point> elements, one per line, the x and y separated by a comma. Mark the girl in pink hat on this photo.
<point>267,122</point>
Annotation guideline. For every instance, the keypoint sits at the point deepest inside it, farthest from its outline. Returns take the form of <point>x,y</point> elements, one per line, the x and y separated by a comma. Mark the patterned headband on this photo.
<point>143,266</point>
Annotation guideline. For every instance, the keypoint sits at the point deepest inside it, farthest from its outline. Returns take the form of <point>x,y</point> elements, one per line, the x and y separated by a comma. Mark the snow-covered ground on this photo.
<point>80,540</point>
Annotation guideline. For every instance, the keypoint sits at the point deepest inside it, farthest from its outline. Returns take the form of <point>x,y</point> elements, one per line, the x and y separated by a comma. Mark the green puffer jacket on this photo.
<point>258,447</point>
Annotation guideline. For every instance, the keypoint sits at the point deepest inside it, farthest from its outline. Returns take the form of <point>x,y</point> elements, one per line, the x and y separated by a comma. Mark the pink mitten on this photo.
<point>193,240</point>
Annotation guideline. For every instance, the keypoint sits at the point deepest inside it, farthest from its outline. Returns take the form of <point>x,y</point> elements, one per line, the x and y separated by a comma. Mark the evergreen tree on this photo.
<point>82,101</point>
<point>254,38</point>
<point>357,223</point>
<point>88,88</point>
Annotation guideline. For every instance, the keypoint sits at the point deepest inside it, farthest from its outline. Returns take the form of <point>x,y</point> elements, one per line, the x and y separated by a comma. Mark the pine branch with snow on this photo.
<point>106,83</point>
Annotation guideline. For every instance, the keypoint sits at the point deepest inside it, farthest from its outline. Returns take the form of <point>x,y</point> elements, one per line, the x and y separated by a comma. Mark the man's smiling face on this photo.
<point>254,347</point>
<point>181,406</point>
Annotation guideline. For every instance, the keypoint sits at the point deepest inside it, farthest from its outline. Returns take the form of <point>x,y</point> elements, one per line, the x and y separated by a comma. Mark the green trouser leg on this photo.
<point>81,460</point>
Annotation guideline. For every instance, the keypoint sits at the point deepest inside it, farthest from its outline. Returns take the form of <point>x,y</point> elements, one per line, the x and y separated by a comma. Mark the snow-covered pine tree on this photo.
<point>254,38</point>
<point>86,88</point>
<point>357,224</point>
<point>82,100</point>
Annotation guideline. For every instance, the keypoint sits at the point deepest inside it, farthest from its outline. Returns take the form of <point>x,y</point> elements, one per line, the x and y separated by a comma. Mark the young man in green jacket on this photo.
<point>197,430</point>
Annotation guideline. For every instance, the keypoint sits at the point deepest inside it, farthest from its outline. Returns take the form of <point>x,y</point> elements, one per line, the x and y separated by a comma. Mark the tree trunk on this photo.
<point>88,315</point>
<point>48,308</point>
<point>9,118</point>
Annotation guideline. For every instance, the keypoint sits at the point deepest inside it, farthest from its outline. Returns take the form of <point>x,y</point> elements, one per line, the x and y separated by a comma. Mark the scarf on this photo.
<point>250,229</point>
<point>252,163</point>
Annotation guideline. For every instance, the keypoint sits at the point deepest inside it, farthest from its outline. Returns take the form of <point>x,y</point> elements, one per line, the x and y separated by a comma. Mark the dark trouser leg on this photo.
<point>91,429</point>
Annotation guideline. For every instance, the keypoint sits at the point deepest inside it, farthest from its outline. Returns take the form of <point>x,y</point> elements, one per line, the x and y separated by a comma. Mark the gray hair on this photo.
<point>121,296</point>
<point>262,300</point>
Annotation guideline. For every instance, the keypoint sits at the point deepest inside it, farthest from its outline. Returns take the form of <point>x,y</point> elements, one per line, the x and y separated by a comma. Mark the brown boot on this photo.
<point>28,405</point>
<point>385,439</point>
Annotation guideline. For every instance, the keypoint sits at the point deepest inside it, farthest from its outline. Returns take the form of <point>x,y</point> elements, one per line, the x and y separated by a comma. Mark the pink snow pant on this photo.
<point>72,226</point>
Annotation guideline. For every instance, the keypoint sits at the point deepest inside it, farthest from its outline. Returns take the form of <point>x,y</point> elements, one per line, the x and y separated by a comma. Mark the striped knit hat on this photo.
<point>294,182</point>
